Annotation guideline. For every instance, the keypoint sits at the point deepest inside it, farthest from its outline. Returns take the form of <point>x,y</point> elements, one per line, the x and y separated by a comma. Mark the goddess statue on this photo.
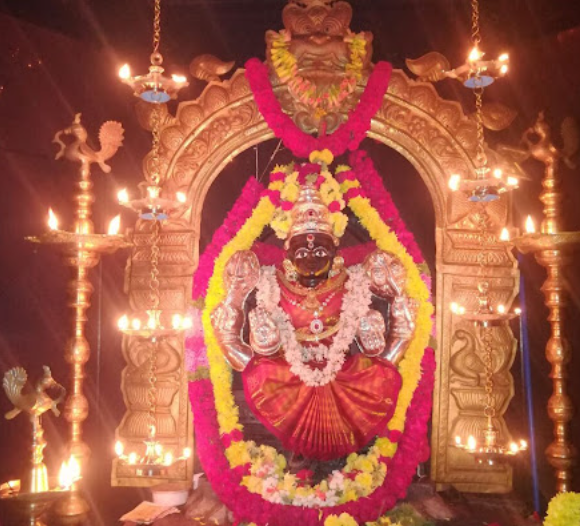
<point>317,344</point>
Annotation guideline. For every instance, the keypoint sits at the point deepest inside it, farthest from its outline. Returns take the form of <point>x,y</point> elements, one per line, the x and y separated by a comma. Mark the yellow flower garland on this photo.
<point>410,366</point>
<point>220,371</point>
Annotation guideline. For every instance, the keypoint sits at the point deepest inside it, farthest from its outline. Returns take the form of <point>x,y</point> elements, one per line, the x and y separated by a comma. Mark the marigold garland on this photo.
<point>416,289</point>
<point>220,372</point>
<point>238,452</point>
<point>348,136</point>
<point>248,463</point>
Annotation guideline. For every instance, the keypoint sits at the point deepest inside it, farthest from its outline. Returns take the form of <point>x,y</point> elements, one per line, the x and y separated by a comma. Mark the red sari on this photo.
<point>329,421</point>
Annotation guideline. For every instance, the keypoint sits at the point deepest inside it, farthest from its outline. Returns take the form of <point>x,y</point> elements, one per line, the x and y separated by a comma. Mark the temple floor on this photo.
<point>449,508</point>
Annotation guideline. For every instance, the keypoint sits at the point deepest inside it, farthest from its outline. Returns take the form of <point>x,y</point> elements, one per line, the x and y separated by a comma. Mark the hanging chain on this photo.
<point>475,34</point>
<point>481,156</point>
<point>157,26</point>
<point>154,283</point>
<point>152,391</point>
<point>487,338</point>
<point>155,141</point>
<point>155,300</point>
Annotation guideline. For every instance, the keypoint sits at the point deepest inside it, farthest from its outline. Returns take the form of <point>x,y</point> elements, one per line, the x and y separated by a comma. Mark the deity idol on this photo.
<point>317,344</point>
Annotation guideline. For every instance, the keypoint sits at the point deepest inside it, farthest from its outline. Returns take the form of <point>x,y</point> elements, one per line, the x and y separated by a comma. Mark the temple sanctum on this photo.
<point>290,262</point>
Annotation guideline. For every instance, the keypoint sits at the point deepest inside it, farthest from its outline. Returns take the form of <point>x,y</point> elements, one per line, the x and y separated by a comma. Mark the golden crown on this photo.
<point>309,203</point>
<point>310,215</point>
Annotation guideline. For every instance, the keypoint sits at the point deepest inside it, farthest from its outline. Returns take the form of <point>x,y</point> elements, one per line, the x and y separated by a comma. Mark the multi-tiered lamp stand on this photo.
<point>154,88</point>
<point>82,248</point>
<point>553,249</point>
<point>486,316</point>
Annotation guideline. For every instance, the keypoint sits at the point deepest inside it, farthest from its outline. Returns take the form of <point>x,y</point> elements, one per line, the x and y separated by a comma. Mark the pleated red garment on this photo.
<point>324,422</point>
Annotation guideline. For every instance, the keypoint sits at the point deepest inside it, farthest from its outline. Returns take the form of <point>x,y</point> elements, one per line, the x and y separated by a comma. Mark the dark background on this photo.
<point>59,57</point>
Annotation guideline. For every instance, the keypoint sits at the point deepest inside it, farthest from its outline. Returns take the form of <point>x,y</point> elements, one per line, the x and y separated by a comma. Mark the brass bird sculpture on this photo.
<point>110,138</point>
<point>34,401</point>
<point>209,68</point>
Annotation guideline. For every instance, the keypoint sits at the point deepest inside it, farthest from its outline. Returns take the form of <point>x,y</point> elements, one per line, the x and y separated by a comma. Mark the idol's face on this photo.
<point>312,256</point>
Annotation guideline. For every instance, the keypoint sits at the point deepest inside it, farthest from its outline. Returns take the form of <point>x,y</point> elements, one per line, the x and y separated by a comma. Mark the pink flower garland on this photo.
<point>237,216</point>
<point>381,200</point>
<point>348,136</point>
<point>412,443</point>
<point>250,507</point>
<point>227,482</point>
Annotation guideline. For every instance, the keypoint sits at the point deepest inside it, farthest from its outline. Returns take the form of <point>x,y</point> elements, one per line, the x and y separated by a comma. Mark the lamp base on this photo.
<point>72,505</point>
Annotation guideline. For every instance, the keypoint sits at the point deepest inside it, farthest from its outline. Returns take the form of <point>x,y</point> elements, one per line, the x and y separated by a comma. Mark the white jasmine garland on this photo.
<point>355,304</point>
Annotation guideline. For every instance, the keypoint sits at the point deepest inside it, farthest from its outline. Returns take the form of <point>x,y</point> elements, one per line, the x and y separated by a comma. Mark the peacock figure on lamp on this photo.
<point>34,402</point>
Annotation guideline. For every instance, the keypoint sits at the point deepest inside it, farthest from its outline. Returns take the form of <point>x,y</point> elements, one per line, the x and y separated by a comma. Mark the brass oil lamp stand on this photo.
<point>33,497</point>
<point>82,249</point>
<point>553,249</point>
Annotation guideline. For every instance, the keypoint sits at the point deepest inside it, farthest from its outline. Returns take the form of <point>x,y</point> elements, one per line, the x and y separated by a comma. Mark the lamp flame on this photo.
<point>475,54</point>
<point>123,196</point>
<point>114,226</point>
<point>505,235</point>
<point>181,197</point>
<point>153,192</point>
<point>504,57</point>
<point>64,480</point>
<point>471,443</point>
<point>512,181</point>
<point>52,220</point>
<point>176,321</point>
<point>454,181</point>
<point>123,322</point>
<point>180,79</point>
<point>125,72</point>
<point>497,173</point>
<point>70,472</point>
<point>119,448</point>
<point>530,227</point>
<point>501,309</point>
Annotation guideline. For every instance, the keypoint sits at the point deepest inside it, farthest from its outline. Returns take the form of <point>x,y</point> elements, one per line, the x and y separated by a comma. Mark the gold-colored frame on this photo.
<point>438,139</point>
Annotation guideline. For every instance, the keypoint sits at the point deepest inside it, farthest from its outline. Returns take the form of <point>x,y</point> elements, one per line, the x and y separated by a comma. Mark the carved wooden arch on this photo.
<point>438,139</point>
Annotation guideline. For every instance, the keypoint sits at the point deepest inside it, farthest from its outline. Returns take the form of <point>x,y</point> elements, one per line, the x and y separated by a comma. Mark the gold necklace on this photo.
<point>301,290</point>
